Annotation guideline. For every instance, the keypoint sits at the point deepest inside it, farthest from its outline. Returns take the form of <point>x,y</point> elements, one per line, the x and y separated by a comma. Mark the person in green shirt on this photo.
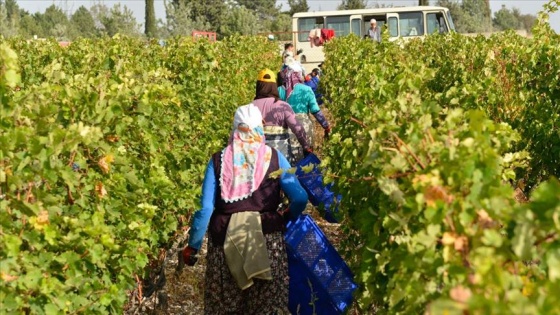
<point>302,100</point>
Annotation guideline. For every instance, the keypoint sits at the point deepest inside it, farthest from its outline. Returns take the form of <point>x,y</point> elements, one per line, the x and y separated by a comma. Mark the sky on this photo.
<point>137,6</point>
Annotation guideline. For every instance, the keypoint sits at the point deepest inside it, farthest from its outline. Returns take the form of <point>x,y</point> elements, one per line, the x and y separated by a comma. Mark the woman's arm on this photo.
<point>315,110</point>
<point>292,188</point>
<point>321,119</point>
<point>202,217</point>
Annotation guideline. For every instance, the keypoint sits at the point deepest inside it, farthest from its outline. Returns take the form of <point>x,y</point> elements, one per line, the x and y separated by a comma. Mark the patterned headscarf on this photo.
<point>246,159</point>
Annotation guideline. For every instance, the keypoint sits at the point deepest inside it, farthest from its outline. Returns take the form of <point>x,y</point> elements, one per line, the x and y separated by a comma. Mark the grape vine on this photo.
<point>103,146</point>
<point>431,139</point>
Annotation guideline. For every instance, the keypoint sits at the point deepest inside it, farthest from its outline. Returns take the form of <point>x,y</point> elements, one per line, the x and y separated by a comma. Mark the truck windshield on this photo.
<point>450,19</point>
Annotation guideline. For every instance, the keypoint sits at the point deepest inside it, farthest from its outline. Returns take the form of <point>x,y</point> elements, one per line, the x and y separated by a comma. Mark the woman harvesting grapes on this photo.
<point>247,267</point>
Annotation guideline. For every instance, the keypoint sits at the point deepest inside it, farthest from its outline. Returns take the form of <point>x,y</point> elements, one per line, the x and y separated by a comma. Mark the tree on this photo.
<point>82,23</point>
<point>150,27</point>
<point>263,8</point>
<point>504,19</point>
<point>487,11</point>
<point>9,18</point>
<point>470,16</point>
<point>477,18</point>
<point>116,20</point>
<point>378,5</point>
<point>210,11</point>
<point>179,20</point>
<point>53,23</point>
<point>298,6</point>
<point>352,4</point>
<point>29,26</point>
<point>526,21</point>
<point>455,10</point>
<point>282,24</point>
<point>423,2</point>
<point>12,9</point>
<point>240,20</point>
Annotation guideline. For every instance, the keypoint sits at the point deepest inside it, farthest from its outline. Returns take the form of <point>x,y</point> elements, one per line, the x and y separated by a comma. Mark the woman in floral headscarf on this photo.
<point>247,268</point>
<point>302,100</point>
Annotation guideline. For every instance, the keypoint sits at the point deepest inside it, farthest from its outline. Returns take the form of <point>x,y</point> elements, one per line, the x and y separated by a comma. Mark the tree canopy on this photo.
<point>352,4</point>
<point>297,6</point>
<point>474,16</point>
<point>226,17</point>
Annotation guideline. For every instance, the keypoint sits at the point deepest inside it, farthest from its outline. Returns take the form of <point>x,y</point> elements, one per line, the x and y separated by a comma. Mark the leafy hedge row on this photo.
<point>429,137</point>
<point>103,145</point>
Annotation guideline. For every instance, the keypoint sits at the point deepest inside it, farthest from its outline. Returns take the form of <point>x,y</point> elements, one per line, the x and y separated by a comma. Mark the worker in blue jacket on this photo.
<point>312,80</point>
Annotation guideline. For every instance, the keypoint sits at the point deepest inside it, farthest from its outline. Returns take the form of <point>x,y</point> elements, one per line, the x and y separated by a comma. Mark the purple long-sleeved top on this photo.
<point>281,114</point>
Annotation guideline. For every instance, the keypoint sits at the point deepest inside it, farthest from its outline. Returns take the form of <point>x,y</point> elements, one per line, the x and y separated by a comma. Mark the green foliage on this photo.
<point>180,21</point>
<point>82,23</point>
<point>352,4</point>
<point>239,20</point>
<point>264,9</point>
<point>428,139</point>
<point>506,19</point>
<point>208,11</point>
<point>9,20</point>
<point>54,22</point>
<point>527,20</point>
<point>103,146</point>
<point>297,6</point>
<point>476,16</point>
<point>116,20</point>
<point>29,26</point>
<point>513,80</point>
<point>469,16</point>
<point>12,8</point>
<point>281,23</point>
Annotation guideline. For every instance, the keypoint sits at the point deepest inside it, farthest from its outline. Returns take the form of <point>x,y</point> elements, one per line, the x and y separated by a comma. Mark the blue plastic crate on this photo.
<point>318,193</point>
<point>320,281</point>
<point>331,207</point>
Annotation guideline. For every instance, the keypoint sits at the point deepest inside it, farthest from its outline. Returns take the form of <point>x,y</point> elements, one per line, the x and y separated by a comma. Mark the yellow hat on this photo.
<point>263,76</point>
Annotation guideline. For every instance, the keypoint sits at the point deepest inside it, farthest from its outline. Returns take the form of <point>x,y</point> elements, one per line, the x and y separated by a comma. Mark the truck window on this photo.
<point>450,21</point>
<point>357,27</point>
<point>436,23</point>
<point>411,24</point>
<point>340,24</point>
<point>307,24</point>
<point>392,25</point>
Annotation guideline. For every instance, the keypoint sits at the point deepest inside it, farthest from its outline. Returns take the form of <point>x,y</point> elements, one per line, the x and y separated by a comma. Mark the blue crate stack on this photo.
<point>318,193</point>
<point>320,281</point>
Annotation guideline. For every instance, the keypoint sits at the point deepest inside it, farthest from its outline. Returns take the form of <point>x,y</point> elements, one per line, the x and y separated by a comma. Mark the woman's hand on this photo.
<point>327,132</point>
<point>285,214</point>
<point>188,256</point>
